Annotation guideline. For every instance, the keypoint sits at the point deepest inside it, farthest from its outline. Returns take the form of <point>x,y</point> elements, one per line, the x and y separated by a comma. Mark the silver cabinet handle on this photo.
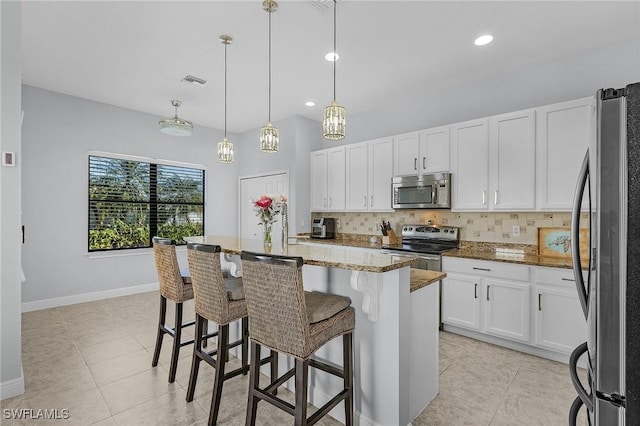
<point>568,279</point>
<point>475,291</point>
<point>484,198</point>
<point>539,301</point>
<point>415,163</point>
<point>488,292</point>
<point>481,269</point>
<point>424,162</point>
<point>495,197</point>
<point>365,201</point>
<point>371,204</point>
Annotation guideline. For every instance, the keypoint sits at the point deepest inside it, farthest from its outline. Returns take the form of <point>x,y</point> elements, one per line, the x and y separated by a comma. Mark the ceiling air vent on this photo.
<point>321,5</point>
<point>198,82</point>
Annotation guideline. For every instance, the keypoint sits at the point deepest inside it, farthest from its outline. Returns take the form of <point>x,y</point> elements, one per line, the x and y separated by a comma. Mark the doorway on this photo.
<point>251,187</point>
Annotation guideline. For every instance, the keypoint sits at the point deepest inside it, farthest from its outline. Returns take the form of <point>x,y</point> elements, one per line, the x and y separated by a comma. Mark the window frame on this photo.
<point>152,202</point>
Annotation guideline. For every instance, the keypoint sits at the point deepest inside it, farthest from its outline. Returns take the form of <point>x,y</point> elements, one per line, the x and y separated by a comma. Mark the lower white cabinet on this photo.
<point>536,307</point>
<point>494,300</point>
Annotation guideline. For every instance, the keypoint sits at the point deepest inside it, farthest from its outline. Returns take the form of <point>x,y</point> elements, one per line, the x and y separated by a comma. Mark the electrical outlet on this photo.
<point>338,224</point>
<point>515,231</point>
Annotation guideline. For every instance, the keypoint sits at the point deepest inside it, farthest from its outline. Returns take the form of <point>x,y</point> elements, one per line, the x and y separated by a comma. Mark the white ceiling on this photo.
<point>134,54</point>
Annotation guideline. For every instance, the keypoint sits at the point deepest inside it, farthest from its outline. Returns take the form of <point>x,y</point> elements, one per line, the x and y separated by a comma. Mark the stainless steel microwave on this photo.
<point>432,191</point>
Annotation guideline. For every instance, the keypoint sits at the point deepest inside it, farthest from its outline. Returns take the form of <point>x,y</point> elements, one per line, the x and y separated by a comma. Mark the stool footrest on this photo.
<point>328,406</point>
<point>326,367</point>
<point>275,384</point>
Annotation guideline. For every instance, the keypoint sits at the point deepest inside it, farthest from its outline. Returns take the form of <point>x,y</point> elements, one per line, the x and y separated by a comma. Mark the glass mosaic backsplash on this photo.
<point>474,226</point>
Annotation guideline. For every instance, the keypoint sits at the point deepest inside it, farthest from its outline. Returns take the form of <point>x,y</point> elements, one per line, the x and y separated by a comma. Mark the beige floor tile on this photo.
<point>121,366</point>
<point>42,318</point>
<point>533,407</point>
<point>57,379</point>
<point>169,409</point>
<point>61,356</point>
<point>106,422</point>
<point>448,409</point>
<point>134,390</point>
<point>110,349</point>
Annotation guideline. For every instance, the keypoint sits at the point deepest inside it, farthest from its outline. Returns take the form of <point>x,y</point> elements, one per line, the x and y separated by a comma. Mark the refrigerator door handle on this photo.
<point>573,371</point>
<point>583,295</point>
<point>573,412</point>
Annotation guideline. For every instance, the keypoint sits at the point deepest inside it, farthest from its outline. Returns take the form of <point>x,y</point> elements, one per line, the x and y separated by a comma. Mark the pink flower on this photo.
<point>264,202</point>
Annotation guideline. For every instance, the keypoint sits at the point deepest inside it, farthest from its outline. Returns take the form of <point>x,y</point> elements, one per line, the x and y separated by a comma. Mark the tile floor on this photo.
<point>94,359</point>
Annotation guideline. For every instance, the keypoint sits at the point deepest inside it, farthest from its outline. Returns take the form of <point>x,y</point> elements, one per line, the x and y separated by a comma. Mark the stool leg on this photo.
<point>254,383</point>
<point>347,349</point>
<point>195,362</point>
<point>302,373</point>
<point>245,345</point>
<point>221,360</point>
<point>161,320</point>
<point>177,336</point>
<point>205,331</point>
<point>274,370</point>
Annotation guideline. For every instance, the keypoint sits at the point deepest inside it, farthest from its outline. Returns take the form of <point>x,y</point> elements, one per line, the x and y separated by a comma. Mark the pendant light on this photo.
<point>176,126</point>
<point>225,148</point>
<point>269,135</point>
<point>333,123</point>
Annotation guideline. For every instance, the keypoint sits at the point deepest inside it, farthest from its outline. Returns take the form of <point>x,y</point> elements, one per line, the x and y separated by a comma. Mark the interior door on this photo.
<point>251,188</point>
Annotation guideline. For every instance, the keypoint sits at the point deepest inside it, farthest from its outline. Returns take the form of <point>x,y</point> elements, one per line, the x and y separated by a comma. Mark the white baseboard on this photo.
<point>87,297</point>
<point>13,387</point>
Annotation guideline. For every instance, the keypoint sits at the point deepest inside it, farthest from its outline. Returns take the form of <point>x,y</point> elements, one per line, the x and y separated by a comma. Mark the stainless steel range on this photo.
<point>426,242</point>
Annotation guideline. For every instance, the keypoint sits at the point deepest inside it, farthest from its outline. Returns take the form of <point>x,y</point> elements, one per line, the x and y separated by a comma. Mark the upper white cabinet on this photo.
<point>563,134</point>
<point>470,165</point>
<point>369,173</point>
<point>512,153</point>
<point>494,163</point>
<point>422,152</point>
<point>328,179</point>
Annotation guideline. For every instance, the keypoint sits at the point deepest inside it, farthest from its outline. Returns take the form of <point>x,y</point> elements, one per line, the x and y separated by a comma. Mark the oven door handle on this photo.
<point>425,256</point>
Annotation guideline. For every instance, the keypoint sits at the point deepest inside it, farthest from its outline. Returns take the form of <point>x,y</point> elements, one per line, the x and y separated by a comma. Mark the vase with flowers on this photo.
<point>267,208</point>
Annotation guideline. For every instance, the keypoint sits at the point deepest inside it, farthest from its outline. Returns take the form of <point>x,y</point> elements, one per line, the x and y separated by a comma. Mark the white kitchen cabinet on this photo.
<point>488,297</point>
<point>560,325</point>
<point>564,131</point>
<point>460,301</point>
<point>422,152</point>
<point>369,173</point>
<point>470,165</point>
<point>512,153</point>
<point>328,179</point>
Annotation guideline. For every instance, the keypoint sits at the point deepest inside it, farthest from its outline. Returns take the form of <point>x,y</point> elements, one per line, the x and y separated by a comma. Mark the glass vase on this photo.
<point>267,237</point>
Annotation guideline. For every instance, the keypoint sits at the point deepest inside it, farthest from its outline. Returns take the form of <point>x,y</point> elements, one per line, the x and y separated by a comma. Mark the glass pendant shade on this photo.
<point>225,151</point>
<point>269,138</point>
<point>334,121</point>
<point>176,126</point>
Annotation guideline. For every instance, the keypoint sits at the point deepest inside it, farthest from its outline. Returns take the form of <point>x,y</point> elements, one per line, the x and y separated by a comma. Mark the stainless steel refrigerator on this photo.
<point>609,186</point>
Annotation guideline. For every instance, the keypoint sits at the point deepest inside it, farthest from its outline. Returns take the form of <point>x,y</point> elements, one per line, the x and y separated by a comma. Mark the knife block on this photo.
<point>390,238</point>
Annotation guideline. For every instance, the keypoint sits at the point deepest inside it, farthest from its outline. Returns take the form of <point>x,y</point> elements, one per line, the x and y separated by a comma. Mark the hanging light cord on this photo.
<point>270,11</point>
<point>225,88</point>
<point>335,53</point>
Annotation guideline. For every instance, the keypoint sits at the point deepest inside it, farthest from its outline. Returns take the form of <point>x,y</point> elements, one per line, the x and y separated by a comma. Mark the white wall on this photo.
<point>11,379</point>
<point>58,132</point>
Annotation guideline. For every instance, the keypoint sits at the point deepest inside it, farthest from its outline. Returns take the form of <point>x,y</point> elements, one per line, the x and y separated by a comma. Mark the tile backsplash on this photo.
<point>474,226</point>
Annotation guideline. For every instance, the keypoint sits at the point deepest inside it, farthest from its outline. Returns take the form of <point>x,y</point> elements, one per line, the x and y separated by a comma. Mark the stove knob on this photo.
<point>446,230</point>
<point>411,229</point>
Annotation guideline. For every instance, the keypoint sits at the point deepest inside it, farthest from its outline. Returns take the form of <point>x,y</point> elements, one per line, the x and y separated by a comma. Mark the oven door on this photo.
<point>432,262</point>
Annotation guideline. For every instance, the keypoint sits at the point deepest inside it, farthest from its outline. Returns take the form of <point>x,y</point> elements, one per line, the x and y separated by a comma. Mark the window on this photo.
<point>132,201</point>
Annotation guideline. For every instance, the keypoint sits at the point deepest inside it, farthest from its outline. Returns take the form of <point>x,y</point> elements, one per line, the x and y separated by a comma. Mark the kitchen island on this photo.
<point>396,334</point>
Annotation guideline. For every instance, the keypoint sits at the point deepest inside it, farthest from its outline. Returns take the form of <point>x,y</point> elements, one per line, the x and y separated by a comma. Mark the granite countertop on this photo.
<point>329,257</point>
<point>421,278</point>
<point>525,255</point>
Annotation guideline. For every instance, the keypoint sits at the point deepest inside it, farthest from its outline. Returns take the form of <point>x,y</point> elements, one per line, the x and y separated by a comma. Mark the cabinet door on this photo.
<point>512,154</point>
<point>563,134</point>
<point>470,165</point>
<point>357,174</point>
<point>406,152</point>
<point>506,310</point>
<point>319,180</point>
<point>460,301</point>
<point>434,150</point>
<point>336,184</point>
<point>559,322</point>
<point>380,174</point>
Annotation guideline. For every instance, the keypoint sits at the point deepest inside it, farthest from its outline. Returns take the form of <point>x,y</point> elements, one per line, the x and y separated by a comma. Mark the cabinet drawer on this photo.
<point>483,268</point>
<point>556,276</point>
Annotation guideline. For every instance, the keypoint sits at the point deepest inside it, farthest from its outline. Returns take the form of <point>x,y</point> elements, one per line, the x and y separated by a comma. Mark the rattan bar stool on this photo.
<point>222,301</point>
<point>177,288</point>
<point>285,318</point>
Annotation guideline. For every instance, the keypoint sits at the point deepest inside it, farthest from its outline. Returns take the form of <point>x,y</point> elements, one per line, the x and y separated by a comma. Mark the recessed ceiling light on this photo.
<point>310,103</point>
<point>332,56</point>
<point>483,39</point>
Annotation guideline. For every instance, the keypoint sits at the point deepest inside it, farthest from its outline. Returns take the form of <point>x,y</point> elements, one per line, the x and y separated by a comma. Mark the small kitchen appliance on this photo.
<point>323,228</point>
<point>610,297</point>
<point>430,191</point>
